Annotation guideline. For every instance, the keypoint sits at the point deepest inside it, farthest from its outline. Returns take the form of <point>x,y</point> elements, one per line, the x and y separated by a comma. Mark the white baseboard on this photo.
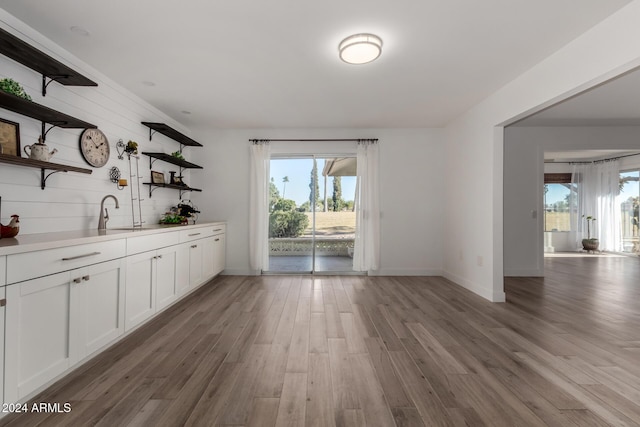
<point>405,272</point>
<point>487,294</point>
<point>233,272</point>
<point>523,272</point>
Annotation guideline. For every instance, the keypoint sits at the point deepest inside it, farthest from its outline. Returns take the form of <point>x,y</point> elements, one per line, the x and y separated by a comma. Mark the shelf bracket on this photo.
<point>43,177</point>
<point>45,131</point>
<point>151,160</point>
<point>151,132</point>
<point>186,190</point>
<point>152,189</point>
<point>46,83</point>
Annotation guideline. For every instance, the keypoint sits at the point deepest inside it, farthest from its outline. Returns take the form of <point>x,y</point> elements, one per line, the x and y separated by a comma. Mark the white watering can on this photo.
<point>39,151</point>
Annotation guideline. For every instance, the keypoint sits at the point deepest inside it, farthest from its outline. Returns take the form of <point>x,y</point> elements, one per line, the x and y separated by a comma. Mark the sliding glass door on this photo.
<point>311,214</point>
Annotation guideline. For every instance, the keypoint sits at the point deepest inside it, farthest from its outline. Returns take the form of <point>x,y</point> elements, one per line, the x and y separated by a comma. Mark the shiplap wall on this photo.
<point>71,201</point>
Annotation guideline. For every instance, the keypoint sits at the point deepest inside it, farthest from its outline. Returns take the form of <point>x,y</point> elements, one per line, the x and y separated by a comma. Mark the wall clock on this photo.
<point>94,147</point>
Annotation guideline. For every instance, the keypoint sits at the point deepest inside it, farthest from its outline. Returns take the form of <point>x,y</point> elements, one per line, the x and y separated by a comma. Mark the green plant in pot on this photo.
<point>13,87</point>
<point>172,218</point>
<point>590,243</point>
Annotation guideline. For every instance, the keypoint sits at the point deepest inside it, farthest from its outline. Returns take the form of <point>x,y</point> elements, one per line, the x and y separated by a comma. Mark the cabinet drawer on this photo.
<point>219,229</point>
<point>195,234</point>
<point>139,244</point>
<point>30,265</point>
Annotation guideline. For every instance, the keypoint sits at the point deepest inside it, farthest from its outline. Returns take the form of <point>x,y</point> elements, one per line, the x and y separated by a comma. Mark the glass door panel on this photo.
<point>290,218</point>
<point>335,224</point>
<point>629,197</point>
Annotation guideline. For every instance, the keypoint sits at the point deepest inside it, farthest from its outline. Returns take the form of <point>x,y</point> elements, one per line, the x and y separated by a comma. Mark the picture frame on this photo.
<point>9,138</point>
<point>157,177</point>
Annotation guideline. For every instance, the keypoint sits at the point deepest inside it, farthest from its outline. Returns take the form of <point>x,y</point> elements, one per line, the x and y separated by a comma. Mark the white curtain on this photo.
<point>259,206</point>
<point>598,185</point>
<point>366,252</point>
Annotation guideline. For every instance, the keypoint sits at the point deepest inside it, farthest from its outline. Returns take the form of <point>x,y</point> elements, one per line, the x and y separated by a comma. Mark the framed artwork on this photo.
<point>157,177</point>
<point>9,138</point>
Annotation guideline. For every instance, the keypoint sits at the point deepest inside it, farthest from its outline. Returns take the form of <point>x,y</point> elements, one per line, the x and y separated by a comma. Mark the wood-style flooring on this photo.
<point>375,351</point>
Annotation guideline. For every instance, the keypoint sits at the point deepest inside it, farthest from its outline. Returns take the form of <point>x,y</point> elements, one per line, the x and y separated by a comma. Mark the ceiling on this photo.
<point>274,64</point>
<point>614,103</point>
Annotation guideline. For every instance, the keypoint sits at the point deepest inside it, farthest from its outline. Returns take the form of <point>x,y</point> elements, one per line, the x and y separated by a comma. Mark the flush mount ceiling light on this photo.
<point>360,48</point>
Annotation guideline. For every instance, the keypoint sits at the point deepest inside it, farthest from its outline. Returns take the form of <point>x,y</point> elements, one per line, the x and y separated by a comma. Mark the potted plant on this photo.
<point>13,87</point>
<point>589,244</point>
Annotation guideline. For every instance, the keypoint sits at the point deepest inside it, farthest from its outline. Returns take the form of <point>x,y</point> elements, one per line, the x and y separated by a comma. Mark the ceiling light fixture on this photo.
<point>360,48</point>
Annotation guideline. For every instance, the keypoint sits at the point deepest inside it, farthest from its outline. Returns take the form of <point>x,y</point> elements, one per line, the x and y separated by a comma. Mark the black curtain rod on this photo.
<point>316,140</point>
<point>596,161</point>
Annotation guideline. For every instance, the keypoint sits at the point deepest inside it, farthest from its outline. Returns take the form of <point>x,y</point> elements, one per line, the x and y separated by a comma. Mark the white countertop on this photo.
<point>42,241</point>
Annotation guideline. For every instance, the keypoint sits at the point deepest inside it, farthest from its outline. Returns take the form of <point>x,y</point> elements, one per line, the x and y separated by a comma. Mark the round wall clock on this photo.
<point>94,147</point>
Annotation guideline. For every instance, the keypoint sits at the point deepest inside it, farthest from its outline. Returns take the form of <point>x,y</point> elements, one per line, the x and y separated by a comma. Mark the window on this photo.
<point>557,199</point>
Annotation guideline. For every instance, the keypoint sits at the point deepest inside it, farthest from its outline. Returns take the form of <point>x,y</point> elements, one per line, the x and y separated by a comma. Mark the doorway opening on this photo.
<point>312,218</point>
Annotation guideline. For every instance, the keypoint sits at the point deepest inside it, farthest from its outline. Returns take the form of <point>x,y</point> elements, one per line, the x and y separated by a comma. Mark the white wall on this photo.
<point>475,144</point>
<point>71,201</point>
<point>524,168</point>
<point>412,191</point>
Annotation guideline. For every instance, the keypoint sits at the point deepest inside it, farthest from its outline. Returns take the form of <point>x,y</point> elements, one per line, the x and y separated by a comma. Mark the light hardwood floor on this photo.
<point>375,351</point>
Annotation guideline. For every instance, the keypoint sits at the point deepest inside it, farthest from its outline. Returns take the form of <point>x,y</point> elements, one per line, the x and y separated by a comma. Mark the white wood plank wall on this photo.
<point>71,201</point>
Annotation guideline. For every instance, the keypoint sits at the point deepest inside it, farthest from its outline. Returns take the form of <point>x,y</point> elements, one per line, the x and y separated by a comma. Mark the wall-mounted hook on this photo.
<point>120,147</point>
<point>114,176</point>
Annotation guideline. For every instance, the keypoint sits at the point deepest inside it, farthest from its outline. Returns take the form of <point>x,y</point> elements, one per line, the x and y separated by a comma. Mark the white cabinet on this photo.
<point>195,263</point>
<point>101,299</point>
<point>52,322</point>
<point>140,297</point>
<point>208,258</point>
<point>65,304</point>
<point>219,254</point>
<point>169,264</point>
<point>213,256</point>
<point>155,279</point>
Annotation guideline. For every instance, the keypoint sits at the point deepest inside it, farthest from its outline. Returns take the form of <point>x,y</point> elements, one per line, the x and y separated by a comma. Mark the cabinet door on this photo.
<point>101,296</point>
<point>219,254</point>
<point>208,262</point>
<point>195,264</point>
<point>166,283</point>
<point>140,298</point>
<point>40,342</point>
<point>182,268</point>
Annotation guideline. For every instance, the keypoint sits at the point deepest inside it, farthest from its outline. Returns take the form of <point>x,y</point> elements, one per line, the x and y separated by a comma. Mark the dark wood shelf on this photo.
<point>43,166</point>
<point>40,112</point>
<point>167,130</point>
<point>170,132</point>
<point>170,159</point>
<point>27,55</point>
<point>182,188</point>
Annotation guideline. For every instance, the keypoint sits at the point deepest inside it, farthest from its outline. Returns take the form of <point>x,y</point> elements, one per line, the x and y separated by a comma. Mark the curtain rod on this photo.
<point>316,140</point>
<point>596,161</point>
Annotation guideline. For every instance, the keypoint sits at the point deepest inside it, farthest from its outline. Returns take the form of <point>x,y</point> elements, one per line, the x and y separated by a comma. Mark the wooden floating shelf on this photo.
<point>40,112</point>
<point>182,188</point>
<point>171,159</point>
<point>43,166</point>
<point>22,52</point>
<point>167,130</point>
